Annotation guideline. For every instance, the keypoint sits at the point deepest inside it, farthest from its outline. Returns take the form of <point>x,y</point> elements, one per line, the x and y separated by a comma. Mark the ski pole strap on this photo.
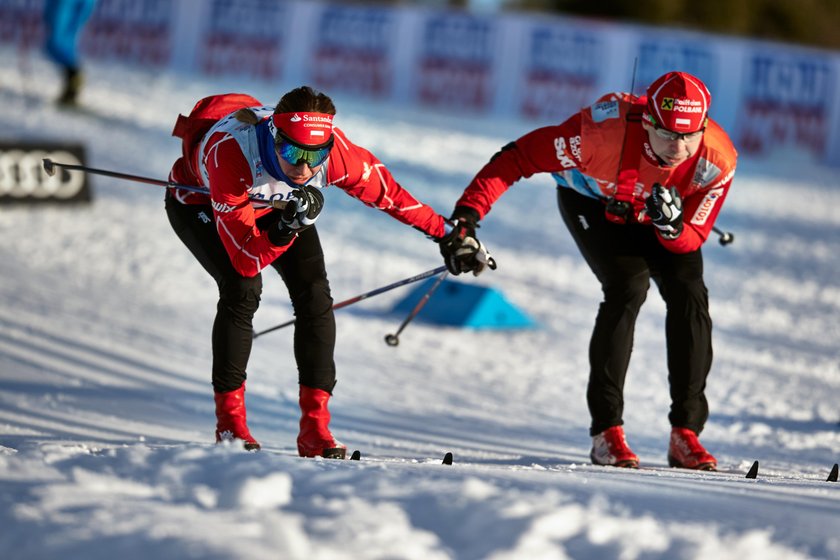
<point>623,206</point>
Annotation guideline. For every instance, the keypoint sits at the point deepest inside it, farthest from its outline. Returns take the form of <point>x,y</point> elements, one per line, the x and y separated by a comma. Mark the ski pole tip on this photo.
<point>49,167</point>
<point>392,340</point>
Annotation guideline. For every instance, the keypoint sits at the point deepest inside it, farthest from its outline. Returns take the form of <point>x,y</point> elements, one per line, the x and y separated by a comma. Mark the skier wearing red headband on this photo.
<point>640,184</point>
<point>244,152</point>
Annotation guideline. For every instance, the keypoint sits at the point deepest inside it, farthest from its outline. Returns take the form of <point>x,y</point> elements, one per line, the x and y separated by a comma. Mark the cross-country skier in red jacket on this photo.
<point>243,152</point>
<point>640,184</point>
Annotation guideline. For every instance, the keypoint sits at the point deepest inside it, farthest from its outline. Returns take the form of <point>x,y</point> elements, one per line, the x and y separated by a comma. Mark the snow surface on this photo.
<point>106,414</point>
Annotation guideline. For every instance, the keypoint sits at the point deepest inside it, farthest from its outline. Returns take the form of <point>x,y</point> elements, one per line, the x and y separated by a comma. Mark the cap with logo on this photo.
<point>678,102</point>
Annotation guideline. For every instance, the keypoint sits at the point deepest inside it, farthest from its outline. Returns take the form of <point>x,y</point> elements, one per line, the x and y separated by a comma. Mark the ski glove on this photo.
<point>461,249</point>
<point>664,207</point>
<point>302,211</point>
<point>299,214</point>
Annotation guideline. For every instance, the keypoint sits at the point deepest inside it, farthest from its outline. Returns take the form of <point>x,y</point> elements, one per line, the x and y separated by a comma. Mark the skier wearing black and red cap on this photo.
<point>242,151</point>
<point>640,184</point>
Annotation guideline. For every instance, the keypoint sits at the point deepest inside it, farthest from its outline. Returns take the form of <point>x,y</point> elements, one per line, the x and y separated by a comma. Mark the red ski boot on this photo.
<point>610,448</point>
<point>230,419</point>
<point>687,452</point>
<point>315,439</point>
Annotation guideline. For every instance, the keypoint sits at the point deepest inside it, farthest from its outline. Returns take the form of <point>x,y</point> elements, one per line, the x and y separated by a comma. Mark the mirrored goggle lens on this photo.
<point>296,155</point>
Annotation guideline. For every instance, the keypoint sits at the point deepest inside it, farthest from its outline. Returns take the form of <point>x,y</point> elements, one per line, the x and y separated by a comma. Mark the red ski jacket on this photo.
<point>584,153</point>
<point>226,160</point>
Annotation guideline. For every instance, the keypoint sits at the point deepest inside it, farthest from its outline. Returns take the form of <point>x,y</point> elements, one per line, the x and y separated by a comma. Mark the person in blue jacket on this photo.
<point>64,20</point>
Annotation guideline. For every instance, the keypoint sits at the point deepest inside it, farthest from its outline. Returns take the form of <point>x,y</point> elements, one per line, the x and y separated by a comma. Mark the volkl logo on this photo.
<point>23,179</point>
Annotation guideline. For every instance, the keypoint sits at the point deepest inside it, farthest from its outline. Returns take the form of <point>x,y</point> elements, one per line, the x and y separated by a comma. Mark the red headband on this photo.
<point>306,129</point>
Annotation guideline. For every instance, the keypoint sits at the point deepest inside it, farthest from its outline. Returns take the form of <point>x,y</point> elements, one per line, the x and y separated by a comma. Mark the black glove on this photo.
<point>299,213</point>
<point>460,248</point>
<point>664,207</point>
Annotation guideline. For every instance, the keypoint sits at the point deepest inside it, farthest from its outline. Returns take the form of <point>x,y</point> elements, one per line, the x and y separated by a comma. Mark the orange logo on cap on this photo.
<point>667,103</point>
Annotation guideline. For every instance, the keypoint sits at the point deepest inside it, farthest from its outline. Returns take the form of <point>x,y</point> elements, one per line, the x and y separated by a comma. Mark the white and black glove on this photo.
<point>461,249</point>
<point>664,207</point>
<point>300,213</point>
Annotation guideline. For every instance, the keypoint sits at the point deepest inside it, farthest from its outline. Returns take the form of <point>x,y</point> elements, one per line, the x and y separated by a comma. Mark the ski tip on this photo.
<point>356,455</point>
<point>753,472</point>
<point>832,476</point>
<point>447,459</point>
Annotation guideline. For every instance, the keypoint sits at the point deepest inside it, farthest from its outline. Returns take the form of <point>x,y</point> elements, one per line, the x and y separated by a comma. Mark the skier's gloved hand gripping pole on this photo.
<point>460,248</point>
<point>664,207</point>
<point>51,167</point>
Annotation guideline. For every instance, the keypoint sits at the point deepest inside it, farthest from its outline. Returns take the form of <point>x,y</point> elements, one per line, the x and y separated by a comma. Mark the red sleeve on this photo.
<point>361,175</point>
<point>544,150</point>
<point>229,175</point>
<point>700,210</point>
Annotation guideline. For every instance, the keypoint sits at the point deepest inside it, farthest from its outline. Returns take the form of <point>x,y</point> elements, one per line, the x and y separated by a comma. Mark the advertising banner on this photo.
<point>24,181</point>
<point>767,95</point>
<point>561,70</point>
<point>786,101</point>
<point>131,31</point>
<point>245,38</point>
<point>660,54</point>
<point>22,23</point>
<point>454,63</point>
<point>352,50</point>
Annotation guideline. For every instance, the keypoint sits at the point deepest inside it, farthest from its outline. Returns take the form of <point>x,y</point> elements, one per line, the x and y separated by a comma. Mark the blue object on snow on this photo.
<point>465,305</point>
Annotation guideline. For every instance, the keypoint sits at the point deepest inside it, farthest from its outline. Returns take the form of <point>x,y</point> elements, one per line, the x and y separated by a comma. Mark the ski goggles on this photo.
<point>295,154</point>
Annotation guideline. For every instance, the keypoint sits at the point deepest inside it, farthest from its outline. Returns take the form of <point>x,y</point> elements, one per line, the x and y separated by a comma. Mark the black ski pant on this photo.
<point>303,271</point>
<point>624,258</point>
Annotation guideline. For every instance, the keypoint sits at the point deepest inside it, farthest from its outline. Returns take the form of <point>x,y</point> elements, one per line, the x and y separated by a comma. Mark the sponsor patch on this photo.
<point>604,110</point>
<point>705,173</point>
<point>701,215</point>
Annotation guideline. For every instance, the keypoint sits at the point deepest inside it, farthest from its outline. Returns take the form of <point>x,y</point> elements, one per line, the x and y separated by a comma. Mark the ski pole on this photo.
<point>365,295</point>
<point>394,339</point>
<point>50,167</point>
<point>725,237</point>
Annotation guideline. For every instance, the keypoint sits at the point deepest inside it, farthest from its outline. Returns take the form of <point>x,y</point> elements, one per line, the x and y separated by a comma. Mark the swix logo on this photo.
<point>295,118</point>
<point>367,171</point>
<point>667,103</point>
<point>222,208</point>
